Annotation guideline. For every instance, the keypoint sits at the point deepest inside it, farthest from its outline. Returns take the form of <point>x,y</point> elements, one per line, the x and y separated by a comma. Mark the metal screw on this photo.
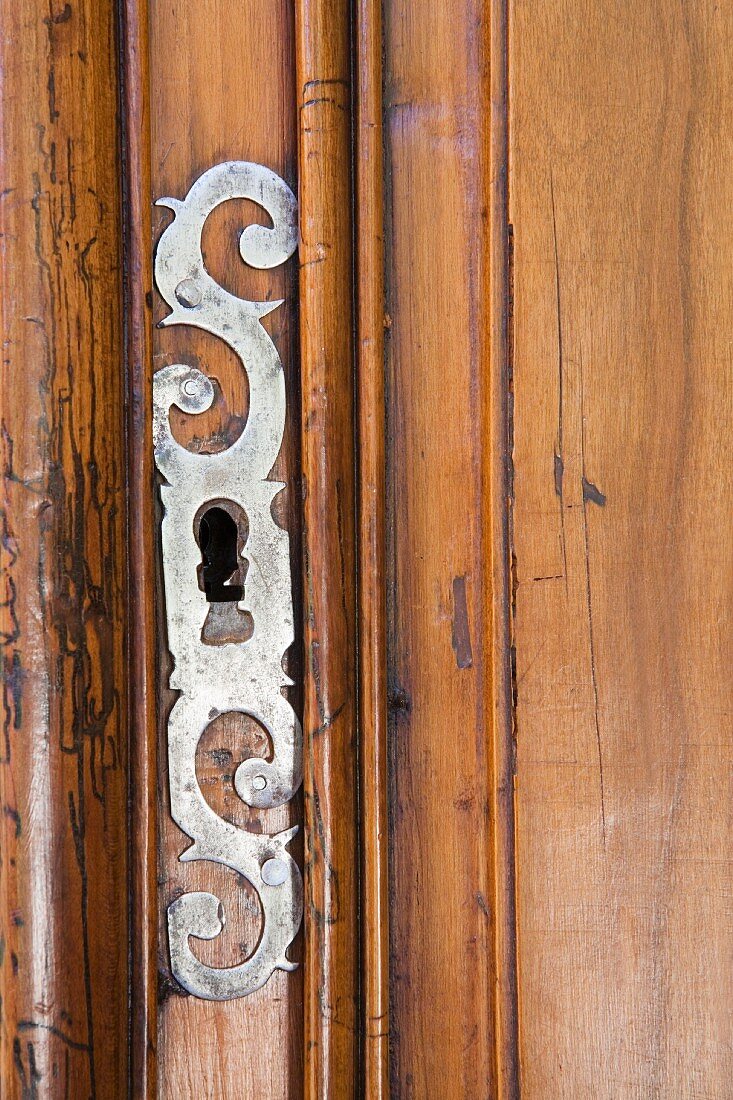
<point>188,293</point>
<point>274,872</point>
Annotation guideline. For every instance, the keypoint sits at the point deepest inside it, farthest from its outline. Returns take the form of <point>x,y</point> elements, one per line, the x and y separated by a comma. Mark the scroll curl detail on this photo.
<point>245,676</point>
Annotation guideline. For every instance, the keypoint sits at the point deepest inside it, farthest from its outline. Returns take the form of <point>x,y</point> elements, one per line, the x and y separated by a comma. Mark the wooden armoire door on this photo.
<point>366,417</point>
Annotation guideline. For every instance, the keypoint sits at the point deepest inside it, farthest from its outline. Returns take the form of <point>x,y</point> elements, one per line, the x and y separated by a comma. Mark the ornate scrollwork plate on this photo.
<point>242,675</point>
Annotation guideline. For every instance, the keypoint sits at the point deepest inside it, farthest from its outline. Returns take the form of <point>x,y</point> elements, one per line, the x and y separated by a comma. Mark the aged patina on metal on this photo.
<point>245,675</point>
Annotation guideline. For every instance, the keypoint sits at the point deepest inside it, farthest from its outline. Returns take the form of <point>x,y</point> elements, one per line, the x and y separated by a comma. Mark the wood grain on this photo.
<point>229,96</point>
<point>621,196</point>
<point>330,750</point>
<point>63,753</point>
<point>371,535</point>
<point>441,422</point>
<point>579,599</point>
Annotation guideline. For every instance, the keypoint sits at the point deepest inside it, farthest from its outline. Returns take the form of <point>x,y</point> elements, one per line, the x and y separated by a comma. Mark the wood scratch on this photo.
<point>558,464</point>
<point>461,630</point>
<point>589,606</point>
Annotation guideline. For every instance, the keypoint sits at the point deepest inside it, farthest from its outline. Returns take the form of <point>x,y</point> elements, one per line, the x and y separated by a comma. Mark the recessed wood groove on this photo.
<point>137,236</point>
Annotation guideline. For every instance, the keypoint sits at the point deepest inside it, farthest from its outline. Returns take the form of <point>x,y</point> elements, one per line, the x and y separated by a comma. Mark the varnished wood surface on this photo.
<point>329,726</point>
<point>621,194</point>
<point>222,88</point>
<point>441,627</point>
<point>558,631</point>
<point>372,610</point>
<point>63,752</point>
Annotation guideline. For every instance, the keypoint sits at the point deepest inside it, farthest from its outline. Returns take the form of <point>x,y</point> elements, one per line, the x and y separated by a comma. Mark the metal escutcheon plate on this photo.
<point>242,675</point>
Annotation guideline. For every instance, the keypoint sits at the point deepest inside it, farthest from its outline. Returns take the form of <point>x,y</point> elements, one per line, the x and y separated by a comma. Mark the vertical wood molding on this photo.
<point>63,752</point>
<point>370,420</point>
<point>137,232</point>
<point>330,765</point>
<point>453,1012</point>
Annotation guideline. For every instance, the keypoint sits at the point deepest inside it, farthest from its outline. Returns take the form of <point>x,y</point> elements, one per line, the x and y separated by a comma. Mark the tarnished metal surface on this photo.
<point>243,676</point>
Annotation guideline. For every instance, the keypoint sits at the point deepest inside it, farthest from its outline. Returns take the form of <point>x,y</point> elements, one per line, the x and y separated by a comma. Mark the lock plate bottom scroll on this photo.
<point>245,675</point>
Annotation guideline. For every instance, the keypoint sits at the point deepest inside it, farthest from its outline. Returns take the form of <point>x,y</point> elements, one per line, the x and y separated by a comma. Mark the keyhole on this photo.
<point>218,538</point>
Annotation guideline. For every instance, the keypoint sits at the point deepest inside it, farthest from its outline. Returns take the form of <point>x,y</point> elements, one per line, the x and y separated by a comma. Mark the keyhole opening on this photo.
<point>218,537</point>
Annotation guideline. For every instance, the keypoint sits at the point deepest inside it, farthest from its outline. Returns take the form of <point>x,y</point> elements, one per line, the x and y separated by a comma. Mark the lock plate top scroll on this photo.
<point>241,675</point>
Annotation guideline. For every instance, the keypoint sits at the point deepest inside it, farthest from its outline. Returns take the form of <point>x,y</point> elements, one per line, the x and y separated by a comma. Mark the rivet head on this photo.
<point>259,782</point>
<point>274,872</point>
<point>188,293</point>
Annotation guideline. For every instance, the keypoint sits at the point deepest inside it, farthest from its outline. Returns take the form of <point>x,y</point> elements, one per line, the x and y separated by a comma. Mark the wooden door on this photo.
<point>501,363</point>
